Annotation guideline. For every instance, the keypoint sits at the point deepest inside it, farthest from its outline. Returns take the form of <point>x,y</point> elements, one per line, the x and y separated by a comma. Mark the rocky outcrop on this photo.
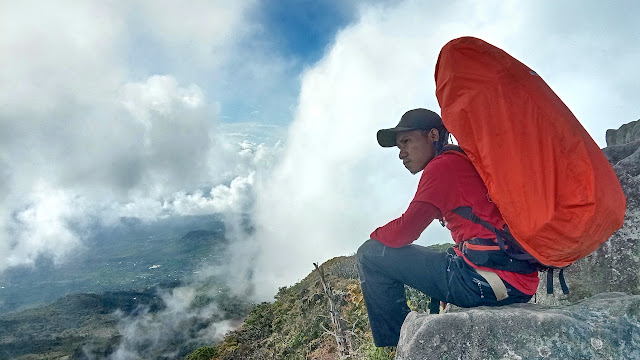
<point>598,319</point>
<point>625,134</point>
<point>606,326</point>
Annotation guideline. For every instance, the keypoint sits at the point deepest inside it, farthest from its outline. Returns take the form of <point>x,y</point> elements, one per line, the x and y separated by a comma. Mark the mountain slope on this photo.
<point>295,325</point>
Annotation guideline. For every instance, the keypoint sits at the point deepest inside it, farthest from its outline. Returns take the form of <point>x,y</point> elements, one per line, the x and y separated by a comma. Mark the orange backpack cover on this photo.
<point>553,185</point>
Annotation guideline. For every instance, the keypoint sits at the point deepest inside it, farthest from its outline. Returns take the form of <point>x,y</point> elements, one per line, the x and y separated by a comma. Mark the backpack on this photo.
<point>557,192</point>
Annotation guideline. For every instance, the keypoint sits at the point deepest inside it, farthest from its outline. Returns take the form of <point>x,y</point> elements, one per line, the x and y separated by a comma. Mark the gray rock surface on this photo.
<point>625,134</point>
<point>606,326</point>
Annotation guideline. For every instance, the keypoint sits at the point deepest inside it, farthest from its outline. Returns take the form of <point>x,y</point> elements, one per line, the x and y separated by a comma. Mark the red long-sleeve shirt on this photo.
<point>447,182</point>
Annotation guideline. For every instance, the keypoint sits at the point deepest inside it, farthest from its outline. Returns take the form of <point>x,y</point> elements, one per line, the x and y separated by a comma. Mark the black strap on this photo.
<point>516,252</point>
<point>449,147</point>
<point>563,282</point>
<point>502,236</point>
<point>467,213</point>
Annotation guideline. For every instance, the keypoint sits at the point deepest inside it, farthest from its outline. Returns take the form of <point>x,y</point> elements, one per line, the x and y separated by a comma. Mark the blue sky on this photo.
<point>162,108</point>
<point>302,29</point>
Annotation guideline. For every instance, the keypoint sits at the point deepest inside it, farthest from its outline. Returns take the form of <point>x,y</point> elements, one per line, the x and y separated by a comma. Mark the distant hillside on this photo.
<point>72,322</point>
<point>119,290</point>
<point>82,326</point>
<point>293,327</point>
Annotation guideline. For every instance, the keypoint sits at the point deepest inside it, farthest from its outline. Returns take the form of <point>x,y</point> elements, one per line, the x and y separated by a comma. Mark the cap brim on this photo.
<point>387,137</point>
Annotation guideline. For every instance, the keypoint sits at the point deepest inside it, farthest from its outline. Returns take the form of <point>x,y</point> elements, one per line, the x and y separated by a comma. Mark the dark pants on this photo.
<point>441,275</point>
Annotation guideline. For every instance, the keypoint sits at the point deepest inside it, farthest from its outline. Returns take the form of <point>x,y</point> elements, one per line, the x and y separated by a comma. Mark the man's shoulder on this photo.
<point>449,159</point>
<point>445,169</point>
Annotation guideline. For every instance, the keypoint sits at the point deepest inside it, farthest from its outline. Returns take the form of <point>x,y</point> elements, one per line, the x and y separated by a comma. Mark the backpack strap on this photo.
<point>502,236</point>
<point>513,249</point>
<point>497,285</point>
<point>450,147</point>
<point>563,282</point>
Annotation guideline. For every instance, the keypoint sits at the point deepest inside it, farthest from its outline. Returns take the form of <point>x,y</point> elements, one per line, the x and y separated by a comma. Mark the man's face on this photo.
<point>416,148</point>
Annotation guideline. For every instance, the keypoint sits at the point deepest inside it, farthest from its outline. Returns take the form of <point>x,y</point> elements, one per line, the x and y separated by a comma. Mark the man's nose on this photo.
<point>403,154</point>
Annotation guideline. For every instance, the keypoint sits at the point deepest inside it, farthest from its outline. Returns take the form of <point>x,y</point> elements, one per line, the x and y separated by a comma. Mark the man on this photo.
<point>388,261</point>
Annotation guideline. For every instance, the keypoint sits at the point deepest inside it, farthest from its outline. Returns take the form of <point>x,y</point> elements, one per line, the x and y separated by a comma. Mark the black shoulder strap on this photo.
<point>503,237</point>
<point>451,147</point>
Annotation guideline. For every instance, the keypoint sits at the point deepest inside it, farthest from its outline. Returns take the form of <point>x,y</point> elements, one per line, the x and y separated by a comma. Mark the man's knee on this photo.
<point>368,248</point>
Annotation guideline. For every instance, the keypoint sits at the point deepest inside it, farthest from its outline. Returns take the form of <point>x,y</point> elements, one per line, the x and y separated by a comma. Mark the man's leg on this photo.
<point>384,271</point>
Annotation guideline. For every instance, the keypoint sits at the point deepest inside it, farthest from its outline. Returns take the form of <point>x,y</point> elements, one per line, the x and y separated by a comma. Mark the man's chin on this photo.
<point>411,170</point>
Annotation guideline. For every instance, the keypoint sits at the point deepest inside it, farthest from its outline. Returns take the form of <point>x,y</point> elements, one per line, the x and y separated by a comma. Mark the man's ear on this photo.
<point>434,134</point>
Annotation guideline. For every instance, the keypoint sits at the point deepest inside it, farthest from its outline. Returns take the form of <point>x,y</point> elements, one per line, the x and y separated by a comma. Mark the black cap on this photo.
<point>416,119</point>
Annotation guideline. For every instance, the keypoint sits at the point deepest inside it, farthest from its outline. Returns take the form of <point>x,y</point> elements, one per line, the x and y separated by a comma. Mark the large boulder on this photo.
<point>606,326</point>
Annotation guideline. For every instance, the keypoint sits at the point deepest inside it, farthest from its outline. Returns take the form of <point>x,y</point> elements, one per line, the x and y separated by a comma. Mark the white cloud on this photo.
<point>204,32</point>
<point>158,95</point>
<point>335,185</point>
<point>57,54</point>
<point>177,131</point>
<point>235,197</point>
<point>243,162</point>
<point>42,228</point>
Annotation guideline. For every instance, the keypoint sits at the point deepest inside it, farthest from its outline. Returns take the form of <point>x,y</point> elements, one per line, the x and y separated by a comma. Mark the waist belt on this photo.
<point>497,285</point>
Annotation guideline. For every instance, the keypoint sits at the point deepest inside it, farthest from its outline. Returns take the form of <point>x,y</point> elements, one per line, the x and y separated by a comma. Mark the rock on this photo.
<point>606,326</point>
<point>625,134</point>
<point>616,153</point>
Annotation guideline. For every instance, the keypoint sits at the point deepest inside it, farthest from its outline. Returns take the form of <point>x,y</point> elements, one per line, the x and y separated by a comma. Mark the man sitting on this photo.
<point>388,261</point>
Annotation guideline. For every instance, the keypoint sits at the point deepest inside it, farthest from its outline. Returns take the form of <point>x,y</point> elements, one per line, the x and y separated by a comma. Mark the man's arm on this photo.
<point>407,228</point>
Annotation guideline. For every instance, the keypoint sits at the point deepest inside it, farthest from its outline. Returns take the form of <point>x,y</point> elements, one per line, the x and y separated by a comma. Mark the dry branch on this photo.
<point>344,344</point>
